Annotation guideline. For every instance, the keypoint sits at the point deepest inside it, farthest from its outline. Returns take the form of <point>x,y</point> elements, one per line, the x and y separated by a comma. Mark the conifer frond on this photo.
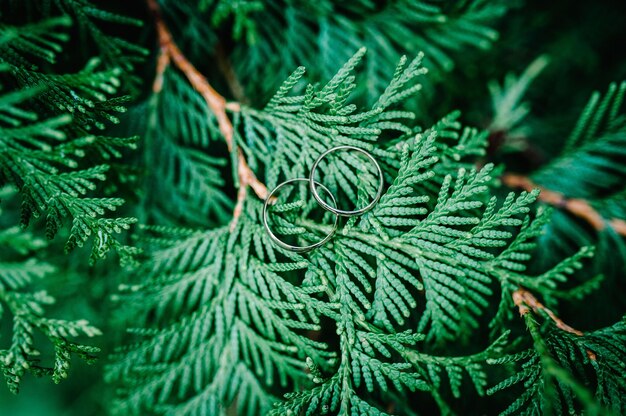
<point>591,168</point>
<point>594,153</point>
<point>43,143</point>
<point>555,373</point>
<point>115,51</point>
<point>85,95</point>
<point>426,258</point>
<point>41,157</point>
<point>458,146</point>
<point>436,369</point>
<point>179,128</point>
<point>306,125</point>
<point>506,100</point>
<point>25,307</point>
<point>321,34</point>
<point>43,40</point>
<point>233,314</point>
<point>189,24</point>
<point>444,241</point>
<point>548,284</point>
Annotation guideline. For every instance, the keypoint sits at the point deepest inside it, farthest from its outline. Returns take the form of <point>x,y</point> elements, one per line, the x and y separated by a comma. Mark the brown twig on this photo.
<point>577,207</point>
<point>218,105</point>
<point>524,300</point>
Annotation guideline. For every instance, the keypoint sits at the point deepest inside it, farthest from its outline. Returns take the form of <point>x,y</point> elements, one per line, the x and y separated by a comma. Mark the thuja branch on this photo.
<point>553,370</point>
<point>525,301</point>
<point>170,53</point>
<point>577,207</point>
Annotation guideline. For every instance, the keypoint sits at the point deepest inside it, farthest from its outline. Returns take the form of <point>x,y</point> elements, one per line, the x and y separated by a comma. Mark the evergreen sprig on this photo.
<point>41,150</point>
<point>233,310</point>
<point>593,151</point>
<point>114,51</point>
<point>42,40</point>
<point>589,170</point>
<point>178,128</point>
<point>225,309</point>
<point>509,110</point>
<point>35,158</point>
<point>326,32</point>
<point>48,156</point>
<point>556,372</point>
<point>25,306</point>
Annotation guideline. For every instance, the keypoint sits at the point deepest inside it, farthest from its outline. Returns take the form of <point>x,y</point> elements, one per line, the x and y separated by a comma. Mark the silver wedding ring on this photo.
<point>280,243</point>
<point>313,187</point>
<point>342,212</point>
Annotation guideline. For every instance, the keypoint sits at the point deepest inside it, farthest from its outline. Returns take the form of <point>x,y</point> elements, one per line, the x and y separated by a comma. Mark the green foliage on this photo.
<point>411,308</point>
<point>85,95</point>
<point>44,38</point>
<point>564,372</point>
<point>189,24</point>
<point>593,152</point>
<point>41,150</point>
<point>49,156</point>
<point>224,310</point>
<point>36,157</point>
<point>590,167</point>
<point>285,34</point>
<point>114,51</point>
<point>567,373</point>
<point>508,108</point>
<point>239,11</point>
<point>184,181</point>
<point>308,124</point>
<point>230,323</point>
<point>40,40</point>
<point>21,303</point>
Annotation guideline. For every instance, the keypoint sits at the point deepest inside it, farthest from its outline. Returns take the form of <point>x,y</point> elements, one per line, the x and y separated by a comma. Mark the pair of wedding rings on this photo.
<point>313,188</point>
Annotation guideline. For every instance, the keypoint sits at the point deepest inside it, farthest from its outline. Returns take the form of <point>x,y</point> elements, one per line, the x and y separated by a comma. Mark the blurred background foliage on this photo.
<point>580,50</point>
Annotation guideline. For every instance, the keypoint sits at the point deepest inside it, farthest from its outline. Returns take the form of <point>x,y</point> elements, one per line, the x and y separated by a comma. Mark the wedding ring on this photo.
<point>280,243</point>
<point>344,213</point>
